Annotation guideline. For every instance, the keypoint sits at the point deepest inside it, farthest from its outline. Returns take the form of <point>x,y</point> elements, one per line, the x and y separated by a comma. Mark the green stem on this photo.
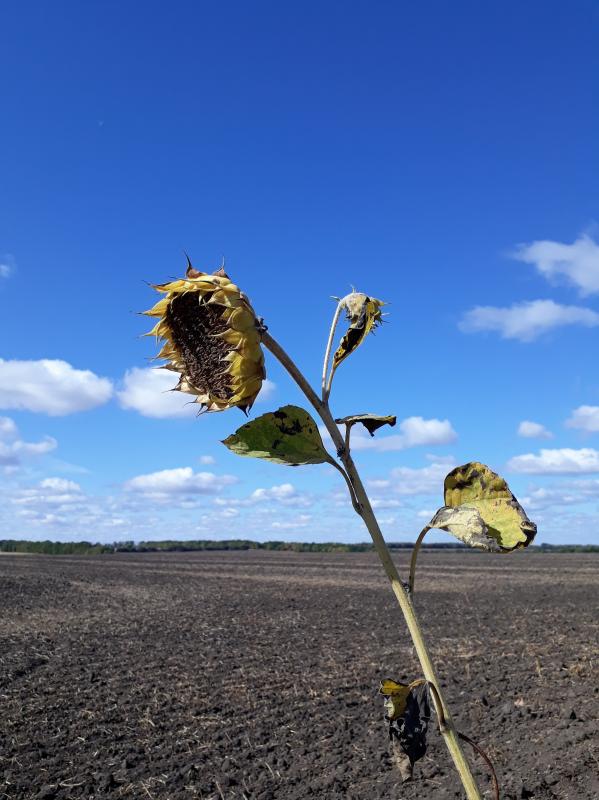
<point>415,551</point>
<point>326,388</point>
<point>364,509</point>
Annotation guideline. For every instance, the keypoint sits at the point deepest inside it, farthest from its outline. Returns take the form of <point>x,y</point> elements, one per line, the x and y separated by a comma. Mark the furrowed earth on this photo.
<point>254,675</point>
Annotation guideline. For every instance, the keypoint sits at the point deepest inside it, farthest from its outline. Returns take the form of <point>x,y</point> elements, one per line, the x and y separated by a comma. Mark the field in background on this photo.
<point>254,674</point>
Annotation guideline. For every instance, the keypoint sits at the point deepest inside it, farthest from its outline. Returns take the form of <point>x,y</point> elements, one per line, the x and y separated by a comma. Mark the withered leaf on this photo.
<point>409,731</point>
<point>372,422</point>
<point>481,511</point>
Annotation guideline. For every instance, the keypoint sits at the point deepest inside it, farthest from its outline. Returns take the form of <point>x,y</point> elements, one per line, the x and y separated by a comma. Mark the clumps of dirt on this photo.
<point>157,676</point>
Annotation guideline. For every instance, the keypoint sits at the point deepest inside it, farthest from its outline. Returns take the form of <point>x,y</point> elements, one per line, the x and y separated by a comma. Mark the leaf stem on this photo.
<point>364,509</point>
<point>325,367</point>
<point>415,551</point>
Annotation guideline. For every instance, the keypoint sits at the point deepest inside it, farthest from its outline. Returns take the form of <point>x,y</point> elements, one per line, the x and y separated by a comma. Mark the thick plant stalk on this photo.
<point>363,507</point>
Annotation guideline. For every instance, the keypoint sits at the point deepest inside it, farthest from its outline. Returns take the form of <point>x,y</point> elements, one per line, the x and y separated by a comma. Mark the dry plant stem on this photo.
<point>325,367</point>
<point>415,551</point>
<point>364,509</point>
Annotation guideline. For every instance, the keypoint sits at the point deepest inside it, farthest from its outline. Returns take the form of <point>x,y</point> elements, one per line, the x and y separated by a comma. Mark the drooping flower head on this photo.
<point>211,338</point>
<point>364,314</point>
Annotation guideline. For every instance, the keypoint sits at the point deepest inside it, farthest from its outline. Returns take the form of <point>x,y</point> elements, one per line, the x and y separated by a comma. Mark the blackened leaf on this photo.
<point>287,436</point>
<point>372,422</point>
<point>411,729</point>
<point>474,485</point>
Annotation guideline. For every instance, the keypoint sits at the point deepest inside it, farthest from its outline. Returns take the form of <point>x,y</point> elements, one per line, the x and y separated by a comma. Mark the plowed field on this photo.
<point>254,675</point>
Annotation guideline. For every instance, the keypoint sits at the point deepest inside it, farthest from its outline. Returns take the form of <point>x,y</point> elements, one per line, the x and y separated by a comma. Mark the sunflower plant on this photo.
<point>214,341</point>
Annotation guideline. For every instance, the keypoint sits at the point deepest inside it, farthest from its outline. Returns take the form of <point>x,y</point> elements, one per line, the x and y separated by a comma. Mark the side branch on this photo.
<point>415,551</point>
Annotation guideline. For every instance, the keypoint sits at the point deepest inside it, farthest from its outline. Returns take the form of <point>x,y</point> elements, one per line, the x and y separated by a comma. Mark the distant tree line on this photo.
<point>183,546</point>
<point>54,548</point>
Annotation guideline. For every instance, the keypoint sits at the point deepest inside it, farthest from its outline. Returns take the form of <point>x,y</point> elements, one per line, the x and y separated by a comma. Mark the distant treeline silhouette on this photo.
<point>180,546</point>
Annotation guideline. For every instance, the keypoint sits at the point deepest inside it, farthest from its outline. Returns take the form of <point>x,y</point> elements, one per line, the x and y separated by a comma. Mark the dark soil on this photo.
<point>255,675</point>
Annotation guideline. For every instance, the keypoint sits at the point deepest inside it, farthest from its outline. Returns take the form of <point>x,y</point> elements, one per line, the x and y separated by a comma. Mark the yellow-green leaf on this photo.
<point>397,696</point>
<point>372,422</point>
<point>500,522</point>
<point>287,436</point>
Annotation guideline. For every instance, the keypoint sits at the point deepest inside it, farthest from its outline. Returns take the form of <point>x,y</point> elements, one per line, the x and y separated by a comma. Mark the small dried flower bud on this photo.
<point>211,338</point>
<point>364,314</point>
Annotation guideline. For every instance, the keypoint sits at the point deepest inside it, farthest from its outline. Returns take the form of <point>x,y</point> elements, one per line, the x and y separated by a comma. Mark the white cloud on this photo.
<point>8,428</point>
<point>285,494</point>
<point>13,449</point>
<point>379,503</point>
<point>149,391</point>
<point>49,492</point>
<point>414,432</point>
<point>60,485</point>
<point>267,391</point>
<point>207,460</point>
<point>51,387</point>
<point>526,321</point>
<point>584,418</point>
<point>409,481</point>
<point>533,430</point>
<point>179,481</point>
<point>565,461</point>
<point>543,498</point>
<point>298,522</point>
<point>578,262</point>
<point>7,265</point>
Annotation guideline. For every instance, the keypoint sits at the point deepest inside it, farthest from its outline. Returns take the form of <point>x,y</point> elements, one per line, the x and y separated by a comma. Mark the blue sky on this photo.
<point>440,156</point>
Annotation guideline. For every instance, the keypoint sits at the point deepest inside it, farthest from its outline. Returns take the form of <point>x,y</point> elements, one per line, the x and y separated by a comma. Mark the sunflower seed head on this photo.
<point>211,338</point>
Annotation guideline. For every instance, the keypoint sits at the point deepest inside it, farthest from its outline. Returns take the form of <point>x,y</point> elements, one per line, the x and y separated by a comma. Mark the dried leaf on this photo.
<point>372,422</point>
<point>467,525</point>
<point>489,516</point>
<point>287,436</point>
<point>408,731</point>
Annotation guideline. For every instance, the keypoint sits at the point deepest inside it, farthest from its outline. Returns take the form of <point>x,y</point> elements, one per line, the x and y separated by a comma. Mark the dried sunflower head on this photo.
<point>211,338</point>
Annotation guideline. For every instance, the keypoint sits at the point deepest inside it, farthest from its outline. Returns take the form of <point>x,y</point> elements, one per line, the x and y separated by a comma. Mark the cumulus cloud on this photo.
<point>413,432</point>
<point>564,461</point>
<point>577,263</point>
<point>284,494</point>
<point>408,481</point>
<point>526,321</point>
<point>267,391</point>
<point>533,430</point>
<point>542,498</point>
<point>50,386</point>
<point>7,265</point>
<point>584,418</point>
<point>50,491</point>
<point>178,481</point>
<point>8,428</point>
<point>302,521</point>
<point>149,392</point>
<point>13,449</point>
<point>207,460</point>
